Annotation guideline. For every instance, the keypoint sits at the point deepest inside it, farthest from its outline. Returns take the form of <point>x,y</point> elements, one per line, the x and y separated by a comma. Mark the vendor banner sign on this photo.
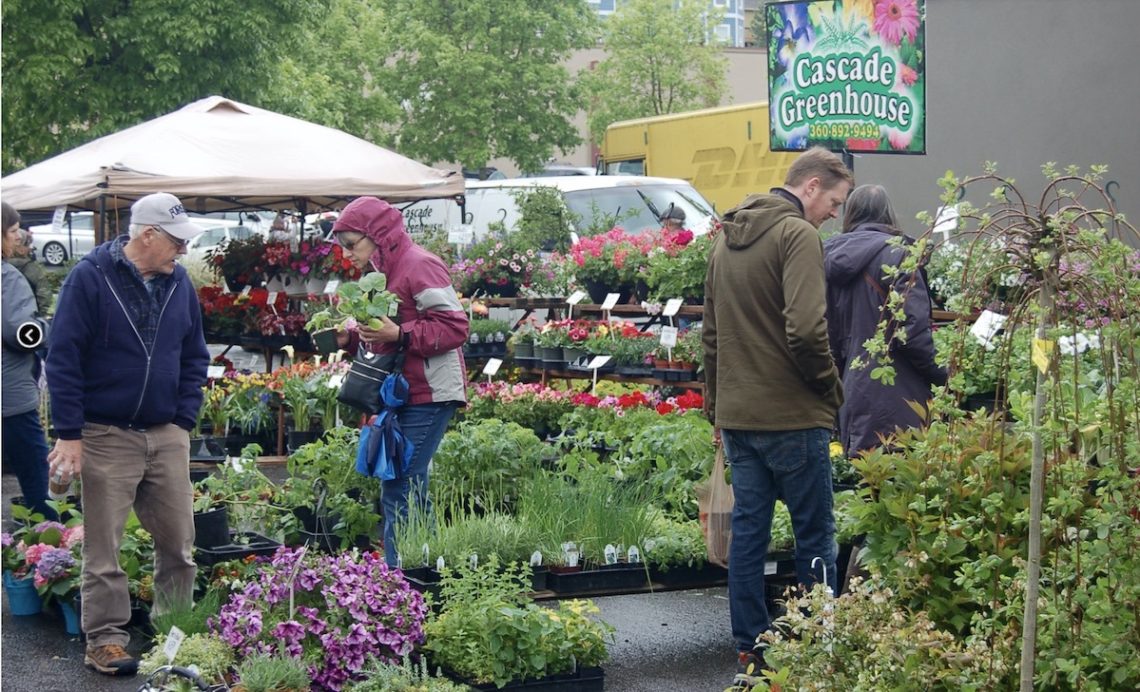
<point>847,75</point>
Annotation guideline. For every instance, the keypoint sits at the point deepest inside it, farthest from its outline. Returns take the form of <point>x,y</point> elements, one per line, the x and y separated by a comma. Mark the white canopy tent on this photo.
<point>218,155</point>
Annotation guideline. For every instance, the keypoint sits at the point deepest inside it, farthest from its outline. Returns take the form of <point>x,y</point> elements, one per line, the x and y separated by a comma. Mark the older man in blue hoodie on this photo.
<point>125,368</point>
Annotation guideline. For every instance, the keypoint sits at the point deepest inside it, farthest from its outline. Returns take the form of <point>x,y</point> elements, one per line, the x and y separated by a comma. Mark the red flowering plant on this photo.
<point>322,259</point>
<point>677,267</point>
<point>238,261</point>
<point>221,314</point>
<point>276,259</point>
<point>612,258</point>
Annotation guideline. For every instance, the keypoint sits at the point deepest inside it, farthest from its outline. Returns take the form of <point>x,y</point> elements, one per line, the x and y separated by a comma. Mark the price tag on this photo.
<point>668,337</point>
<point>335,381</point>
<point>462,235</point>
<point>597,362</point>
<point>986,327</point>
<point>245,291</point>
<point>672,307</point>
<point>215,371</point>
<point>492,366</point>
<point>173,643</point>
<point>611,301</point>
<point>331,286</point>
<point>576,297</point>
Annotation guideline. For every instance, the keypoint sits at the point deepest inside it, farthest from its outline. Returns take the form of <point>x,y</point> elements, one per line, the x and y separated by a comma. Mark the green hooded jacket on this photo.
<point>768,365</point>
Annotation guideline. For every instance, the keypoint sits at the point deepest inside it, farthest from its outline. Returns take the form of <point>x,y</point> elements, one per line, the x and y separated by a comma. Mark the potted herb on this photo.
<point>208,653</point>
<point>488,632</point>
<point>406,676</point>
<point>265,673</point>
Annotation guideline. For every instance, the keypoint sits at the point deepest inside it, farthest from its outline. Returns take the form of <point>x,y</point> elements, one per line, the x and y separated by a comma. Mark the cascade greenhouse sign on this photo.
<point>847,75</point>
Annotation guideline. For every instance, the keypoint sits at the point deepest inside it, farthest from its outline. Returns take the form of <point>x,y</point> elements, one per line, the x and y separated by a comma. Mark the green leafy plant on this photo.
<point>265,673</point>
<point>486,331</point>
<point>357,302</point>
<point>864,641</point>
<point>488,631</point>
<point>675,543</point>
<point>545,222</point>
<point>480,464</point>
<point>405,676</point>
<point>211,655</point>
<point>679,275</point>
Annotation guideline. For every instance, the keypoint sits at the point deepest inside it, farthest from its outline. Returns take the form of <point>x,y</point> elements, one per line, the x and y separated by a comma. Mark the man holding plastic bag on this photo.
<point>772,388</point>
<point>431,330</point>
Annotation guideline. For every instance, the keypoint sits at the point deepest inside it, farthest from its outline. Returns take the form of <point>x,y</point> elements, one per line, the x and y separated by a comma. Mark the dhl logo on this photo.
<point>718,167</point>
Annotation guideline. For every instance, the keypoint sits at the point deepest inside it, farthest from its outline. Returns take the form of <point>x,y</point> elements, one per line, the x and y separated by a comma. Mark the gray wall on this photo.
<point>1022,82</point>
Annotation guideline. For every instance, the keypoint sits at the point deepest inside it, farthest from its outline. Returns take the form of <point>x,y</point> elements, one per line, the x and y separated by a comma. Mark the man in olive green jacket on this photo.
<point>772,388</point>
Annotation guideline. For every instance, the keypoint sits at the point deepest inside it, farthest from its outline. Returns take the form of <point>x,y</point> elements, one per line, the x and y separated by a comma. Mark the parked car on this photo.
<point>77,237</point>
<point>636,202</point>
<point>74,238</point>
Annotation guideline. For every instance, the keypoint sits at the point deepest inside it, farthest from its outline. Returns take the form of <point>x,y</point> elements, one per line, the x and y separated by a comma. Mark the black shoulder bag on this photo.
<point>361,386</point>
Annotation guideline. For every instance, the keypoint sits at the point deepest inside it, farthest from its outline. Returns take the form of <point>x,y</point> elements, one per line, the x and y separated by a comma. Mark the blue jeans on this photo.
<point>424,426</point>
<point>792,466</point>
<point>25,454</point>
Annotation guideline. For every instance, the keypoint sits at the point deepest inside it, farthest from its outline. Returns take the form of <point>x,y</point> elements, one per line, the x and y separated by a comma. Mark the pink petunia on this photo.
<point>896,18</point>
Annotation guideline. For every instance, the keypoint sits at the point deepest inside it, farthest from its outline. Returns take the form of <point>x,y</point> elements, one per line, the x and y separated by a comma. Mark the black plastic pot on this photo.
<point>612,579</point>
<point>238,547</point>
<point>211,528</point>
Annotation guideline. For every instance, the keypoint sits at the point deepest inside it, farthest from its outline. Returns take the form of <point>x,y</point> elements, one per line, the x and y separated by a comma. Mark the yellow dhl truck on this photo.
<point>722,151</point>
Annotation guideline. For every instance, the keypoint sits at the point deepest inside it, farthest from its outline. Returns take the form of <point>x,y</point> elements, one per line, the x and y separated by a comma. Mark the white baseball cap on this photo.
<point>164,210</point>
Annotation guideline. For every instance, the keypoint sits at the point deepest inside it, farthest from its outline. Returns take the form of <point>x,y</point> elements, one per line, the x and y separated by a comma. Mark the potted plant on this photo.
<point>237,261</point>
<point>332,612</point>
<point>265,673</point>
<point>405,676</point>
<point>298,386</point>
<point>488,632</point>
<point>495,266</point>
<point>41,560</point>
<point>521,341</point>
<point>488,338</point>
<point>210,655</point>
<point>357,302</point>
<point>611,262</point>
<point>677,268</point>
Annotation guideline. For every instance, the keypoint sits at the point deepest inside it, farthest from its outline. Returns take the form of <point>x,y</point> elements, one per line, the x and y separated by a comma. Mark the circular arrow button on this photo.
<point>30,335</point>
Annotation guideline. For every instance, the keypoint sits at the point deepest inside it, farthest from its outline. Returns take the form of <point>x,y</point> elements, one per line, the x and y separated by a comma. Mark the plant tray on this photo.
<point>241,545</point>
<point>620,578</point>
<point>583,680</point>
<point>689,577</point>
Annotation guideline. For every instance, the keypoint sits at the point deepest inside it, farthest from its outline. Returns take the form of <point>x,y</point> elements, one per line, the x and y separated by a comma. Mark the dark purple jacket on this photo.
<point>854,304</point>
<point>100,370</point>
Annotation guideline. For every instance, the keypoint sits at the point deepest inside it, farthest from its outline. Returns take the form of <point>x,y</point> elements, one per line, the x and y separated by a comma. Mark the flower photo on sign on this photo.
<point>847,75</point>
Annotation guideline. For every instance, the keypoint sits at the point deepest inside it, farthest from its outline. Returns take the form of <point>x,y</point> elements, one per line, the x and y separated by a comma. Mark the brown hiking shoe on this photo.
<point>110,659</point>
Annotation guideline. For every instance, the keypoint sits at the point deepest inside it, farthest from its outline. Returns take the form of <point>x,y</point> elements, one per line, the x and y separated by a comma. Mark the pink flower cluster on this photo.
<point>507,393</point>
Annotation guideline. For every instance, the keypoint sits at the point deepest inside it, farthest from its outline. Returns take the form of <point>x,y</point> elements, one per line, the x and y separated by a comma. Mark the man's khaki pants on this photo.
<point>150,471</point>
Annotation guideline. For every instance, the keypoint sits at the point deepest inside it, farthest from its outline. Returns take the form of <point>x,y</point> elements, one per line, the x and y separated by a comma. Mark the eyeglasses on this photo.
<point>178,242</point>
<point>348,245</point>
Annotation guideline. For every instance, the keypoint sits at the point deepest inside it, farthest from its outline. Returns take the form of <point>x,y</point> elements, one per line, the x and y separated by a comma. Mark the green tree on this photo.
<point>661,59</point>
<point>75,70</point>
<point>480,79</point>
<point>333,77</point>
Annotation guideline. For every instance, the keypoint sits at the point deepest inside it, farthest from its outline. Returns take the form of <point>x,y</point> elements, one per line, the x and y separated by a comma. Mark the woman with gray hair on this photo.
<point>857,288</point>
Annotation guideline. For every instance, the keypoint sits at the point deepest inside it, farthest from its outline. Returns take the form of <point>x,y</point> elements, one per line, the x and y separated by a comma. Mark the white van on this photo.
<point>637,201</point>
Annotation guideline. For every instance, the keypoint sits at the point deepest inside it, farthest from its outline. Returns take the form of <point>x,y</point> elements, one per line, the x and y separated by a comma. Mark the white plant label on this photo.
<point>335,381</point>
<point>672,307</point>
<point>492,366</point>
<point>173,643</point>
<point>576,297</point>
<point>215,371</point>
<point>611,301</point>
<point>597,362</point>
<point>668,337</point>
<point>427,554</point>
<point>769,568</point>
<point>439,563</point>
<point>271,299</point>
<point>611,554</point>
<point>331,286</point>
<point>245,291</point>
<point>634,554</point>
<point>986,327</point>
<point>536,559</point>
<point>473,561</point>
